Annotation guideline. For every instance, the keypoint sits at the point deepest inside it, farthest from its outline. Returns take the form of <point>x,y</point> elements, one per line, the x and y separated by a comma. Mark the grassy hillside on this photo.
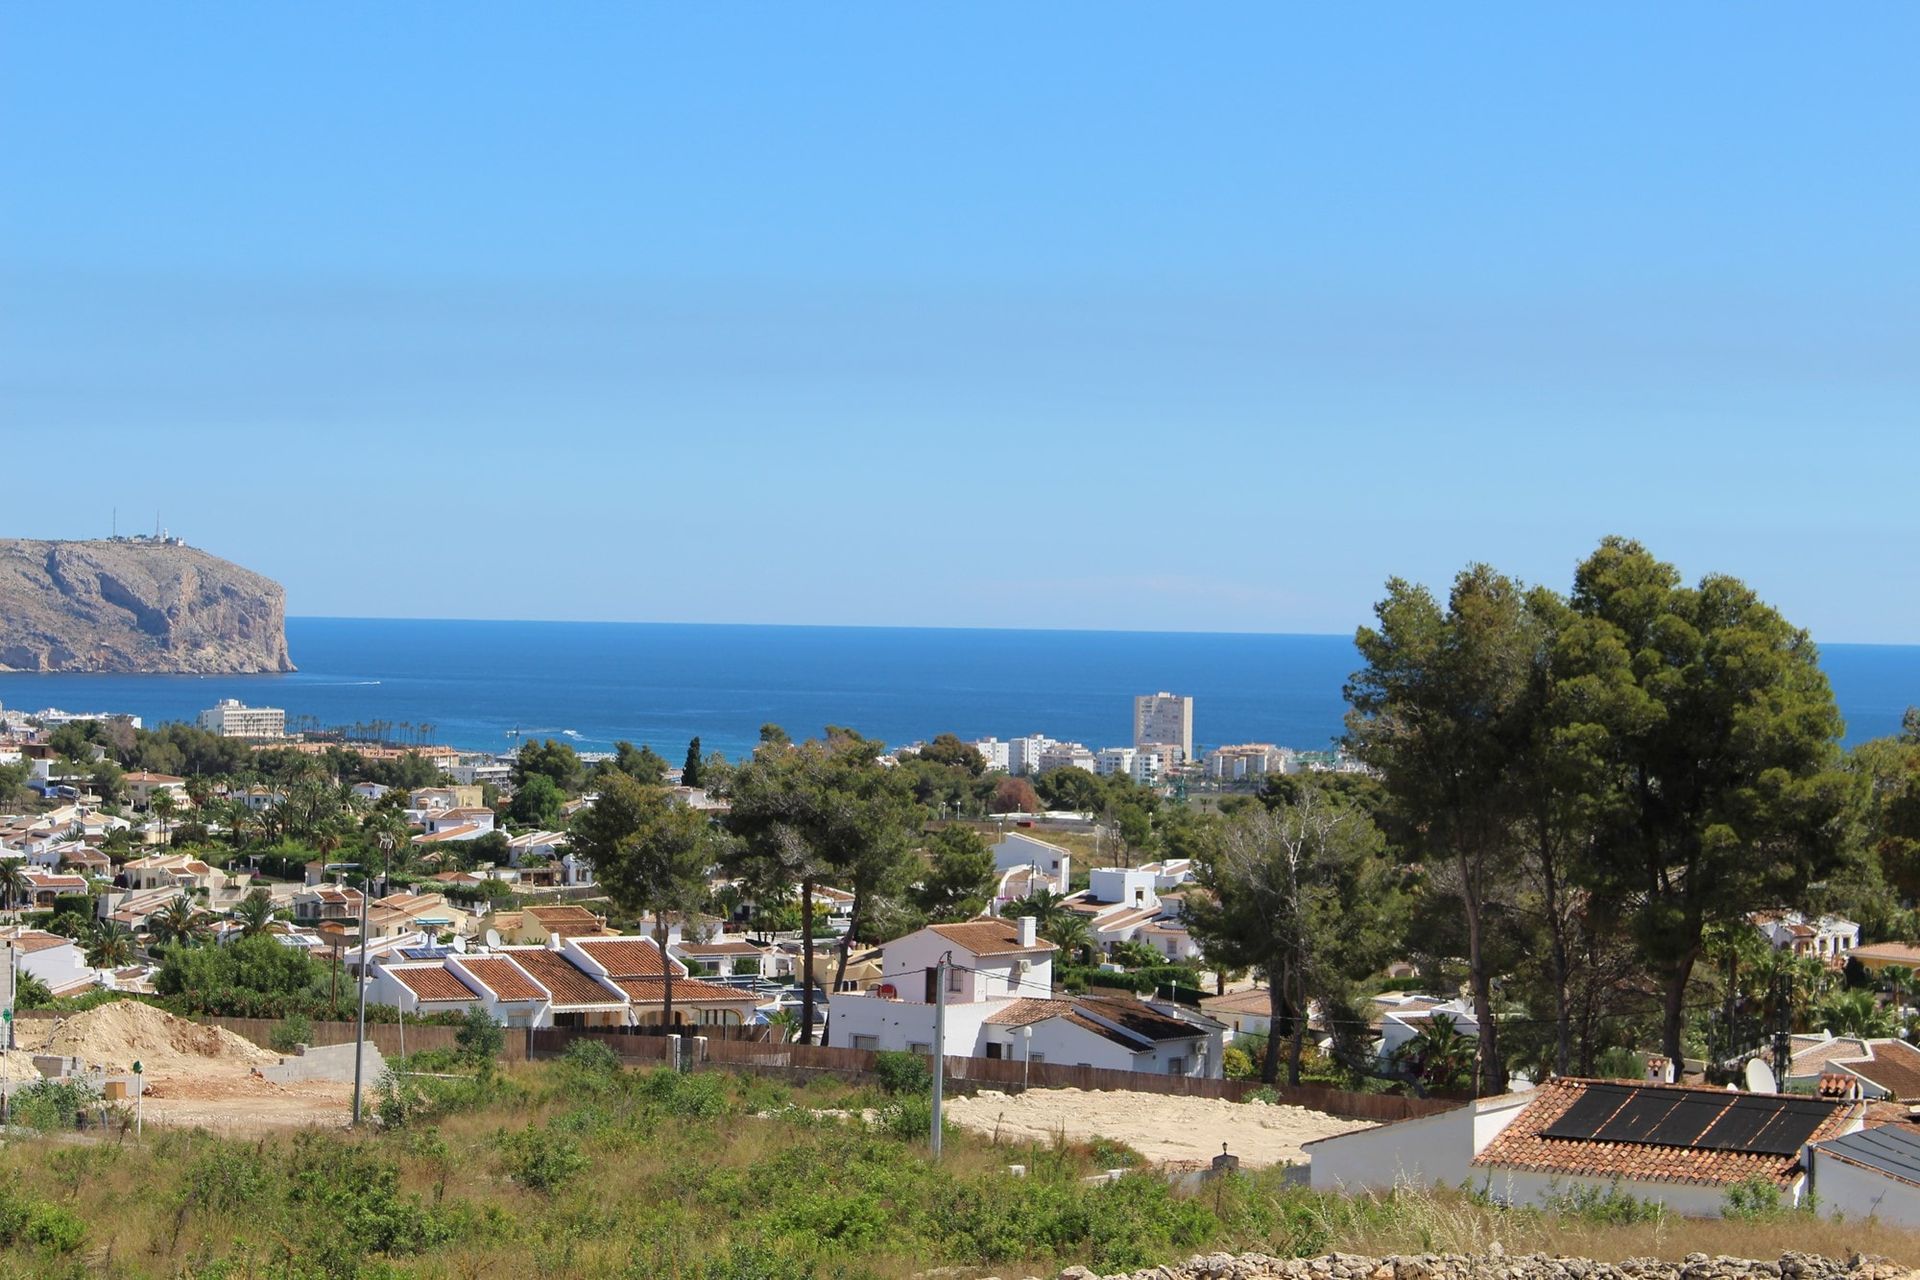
<point>578,1169</point>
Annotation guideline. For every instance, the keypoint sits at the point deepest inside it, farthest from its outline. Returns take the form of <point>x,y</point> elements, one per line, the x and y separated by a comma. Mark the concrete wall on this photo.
<point>1523,1188</point>
<point>1843,1188</point>
<point>1429,1151</point>
<point>901,1024</point>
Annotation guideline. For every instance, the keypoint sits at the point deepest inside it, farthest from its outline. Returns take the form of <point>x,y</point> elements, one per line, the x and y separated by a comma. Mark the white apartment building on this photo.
<point>1246,760</point>
<point>1023,754</point>
<point>1164,718</point>
<point>231,718</point>
<point>996,753</point>
<point>1145,765</point>
<point>1065,755</point>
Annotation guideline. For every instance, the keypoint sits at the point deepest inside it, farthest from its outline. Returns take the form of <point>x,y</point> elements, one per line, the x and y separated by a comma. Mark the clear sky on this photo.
<point>1105,315</point>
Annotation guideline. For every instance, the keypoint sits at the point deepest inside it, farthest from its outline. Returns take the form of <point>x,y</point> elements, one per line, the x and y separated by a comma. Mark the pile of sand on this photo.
<point>1168,1128</point>
<point>119,1034</point>
<point>16,1066</point>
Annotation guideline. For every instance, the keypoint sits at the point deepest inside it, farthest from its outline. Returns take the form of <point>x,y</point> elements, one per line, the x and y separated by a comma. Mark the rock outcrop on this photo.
<point>1495,1265</point>
<point>136,605</point>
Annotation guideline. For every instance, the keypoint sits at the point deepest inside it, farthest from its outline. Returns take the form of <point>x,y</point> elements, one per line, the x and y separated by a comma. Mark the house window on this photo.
<point>993,1049</point>
<point>869,1043</point>
<point>953,980</point>
<point>1176,1066</point>
<point>920,1047</point>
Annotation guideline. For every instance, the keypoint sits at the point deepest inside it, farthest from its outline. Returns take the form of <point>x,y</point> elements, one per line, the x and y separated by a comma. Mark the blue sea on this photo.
<point>477,683</point>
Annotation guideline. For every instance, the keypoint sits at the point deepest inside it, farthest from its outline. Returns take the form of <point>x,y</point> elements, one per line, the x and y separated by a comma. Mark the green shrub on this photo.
<point>675,1093</point>
<point>590,1058</point>
<point>480,1037</point>
<point>54,1228</point>
<point>1605,1206</point>
<point>902,1072</point>
<point>1754,1199</point>
<point>48,1105</point>
<point>294,1030</point>
<point>540,1159</point>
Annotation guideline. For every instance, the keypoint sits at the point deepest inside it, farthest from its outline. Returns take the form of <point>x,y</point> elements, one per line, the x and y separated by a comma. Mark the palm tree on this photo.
<point>178,922</point>
<point>1071,934</point>
<point>1856,1013</point>
<point>254,914</point>
<point>1899,980</point>
<point>163,806</point>
<point>14,885</point>
<point>1044,905</point>
<point>110,945</point>
<point>1439,1056</point>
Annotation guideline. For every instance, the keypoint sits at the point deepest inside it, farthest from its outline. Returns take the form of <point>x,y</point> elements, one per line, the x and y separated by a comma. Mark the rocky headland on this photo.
<point>136,605</point>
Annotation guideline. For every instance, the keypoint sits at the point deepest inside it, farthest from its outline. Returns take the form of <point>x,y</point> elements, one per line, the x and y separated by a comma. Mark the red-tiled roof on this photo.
<point>503,977</point>
<point>1521,1144</point>
<point>988,937</point>
<point>434,983</point>
<point>1022,1012</point>
<point>557,974</point>
<point>1894,1066</point>
<point>626,957</point>
<point>691,990</point>
<point>566,920</point>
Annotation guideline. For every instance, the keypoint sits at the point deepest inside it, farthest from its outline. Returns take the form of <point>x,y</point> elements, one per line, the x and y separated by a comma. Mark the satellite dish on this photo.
<point>493,939</point>
<point>1760,1077</point>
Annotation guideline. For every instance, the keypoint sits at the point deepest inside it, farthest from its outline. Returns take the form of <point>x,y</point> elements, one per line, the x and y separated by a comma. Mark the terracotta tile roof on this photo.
<point>557,974</point>
<point>626,957</point>
<point>691,990</point>
<point>507,980</point>
<point>988,937</point>
<point>1894,1066</point>
<point>1255,1000</point>
<point>432,983</point>
<point>559,918</point>
<point>1521,1145</point>
<point>32,940</point>
<point>1024,1012</point>
<point>1888,953</point>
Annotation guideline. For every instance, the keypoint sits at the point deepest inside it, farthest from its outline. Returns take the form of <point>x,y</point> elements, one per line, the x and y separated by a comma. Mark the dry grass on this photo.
<point>654,1202</point>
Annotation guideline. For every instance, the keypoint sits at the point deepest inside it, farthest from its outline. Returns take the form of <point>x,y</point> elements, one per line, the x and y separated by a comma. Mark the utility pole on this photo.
<point>1782,1030</point>
<point>939,1044</point>
<point>360,1033</point>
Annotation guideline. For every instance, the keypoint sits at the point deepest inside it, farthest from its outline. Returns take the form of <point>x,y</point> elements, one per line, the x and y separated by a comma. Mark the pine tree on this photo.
<point>690,772</point>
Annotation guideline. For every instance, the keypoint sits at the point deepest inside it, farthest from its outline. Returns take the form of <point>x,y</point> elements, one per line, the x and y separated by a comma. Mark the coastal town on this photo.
<point>903,642</point>
<point>1044,922</point>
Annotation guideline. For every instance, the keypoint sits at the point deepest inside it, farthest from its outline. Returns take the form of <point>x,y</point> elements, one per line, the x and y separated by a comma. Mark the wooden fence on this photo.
<point>969,1074</point>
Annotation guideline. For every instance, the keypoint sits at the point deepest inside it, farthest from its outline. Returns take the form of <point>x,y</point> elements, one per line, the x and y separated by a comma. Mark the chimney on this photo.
<point>1029,931</point>
<point>1659,1069</point>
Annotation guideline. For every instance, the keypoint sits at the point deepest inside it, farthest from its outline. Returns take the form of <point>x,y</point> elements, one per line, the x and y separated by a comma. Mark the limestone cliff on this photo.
<point>136,605</point>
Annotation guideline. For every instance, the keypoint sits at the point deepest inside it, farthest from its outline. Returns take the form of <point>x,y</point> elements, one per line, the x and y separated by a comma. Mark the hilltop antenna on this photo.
<point>116,524</point>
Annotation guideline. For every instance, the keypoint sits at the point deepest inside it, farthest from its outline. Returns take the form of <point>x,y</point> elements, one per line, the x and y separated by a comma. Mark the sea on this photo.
<point>485,685</point>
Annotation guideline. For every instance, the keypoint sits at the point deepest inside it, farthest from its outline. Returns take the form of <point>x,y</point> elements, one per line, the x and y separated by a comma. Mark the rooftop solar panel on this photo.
<point>1684,1124</point>
<point>1785,1133</point>
<point>1589,1111</point>
<point>1738,1125</point>
<point>1638,1117</point>
<point>1766,1125</point>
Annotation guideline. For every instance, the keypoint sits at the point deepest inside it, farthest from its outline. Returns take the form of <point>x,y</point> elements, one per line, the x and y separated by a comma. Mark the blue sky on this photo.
<point>1069,315</point>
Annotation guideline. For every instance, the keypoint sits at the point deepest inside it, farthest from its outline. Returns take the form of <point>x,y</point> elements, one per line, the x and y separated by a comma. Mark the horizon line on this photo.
<point>910,626</point>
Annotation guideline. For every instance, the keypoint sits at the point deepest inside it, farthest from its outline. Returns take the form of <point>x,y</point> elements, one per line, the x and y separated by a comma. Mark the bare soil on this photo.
<point>1166,1129</point>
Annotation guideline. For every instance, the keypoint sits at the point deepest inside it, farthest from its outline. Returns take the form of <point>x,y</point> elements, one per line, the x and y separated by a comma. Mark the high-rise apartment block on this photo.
<point>230,718</point>
<point>1164,719</point>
